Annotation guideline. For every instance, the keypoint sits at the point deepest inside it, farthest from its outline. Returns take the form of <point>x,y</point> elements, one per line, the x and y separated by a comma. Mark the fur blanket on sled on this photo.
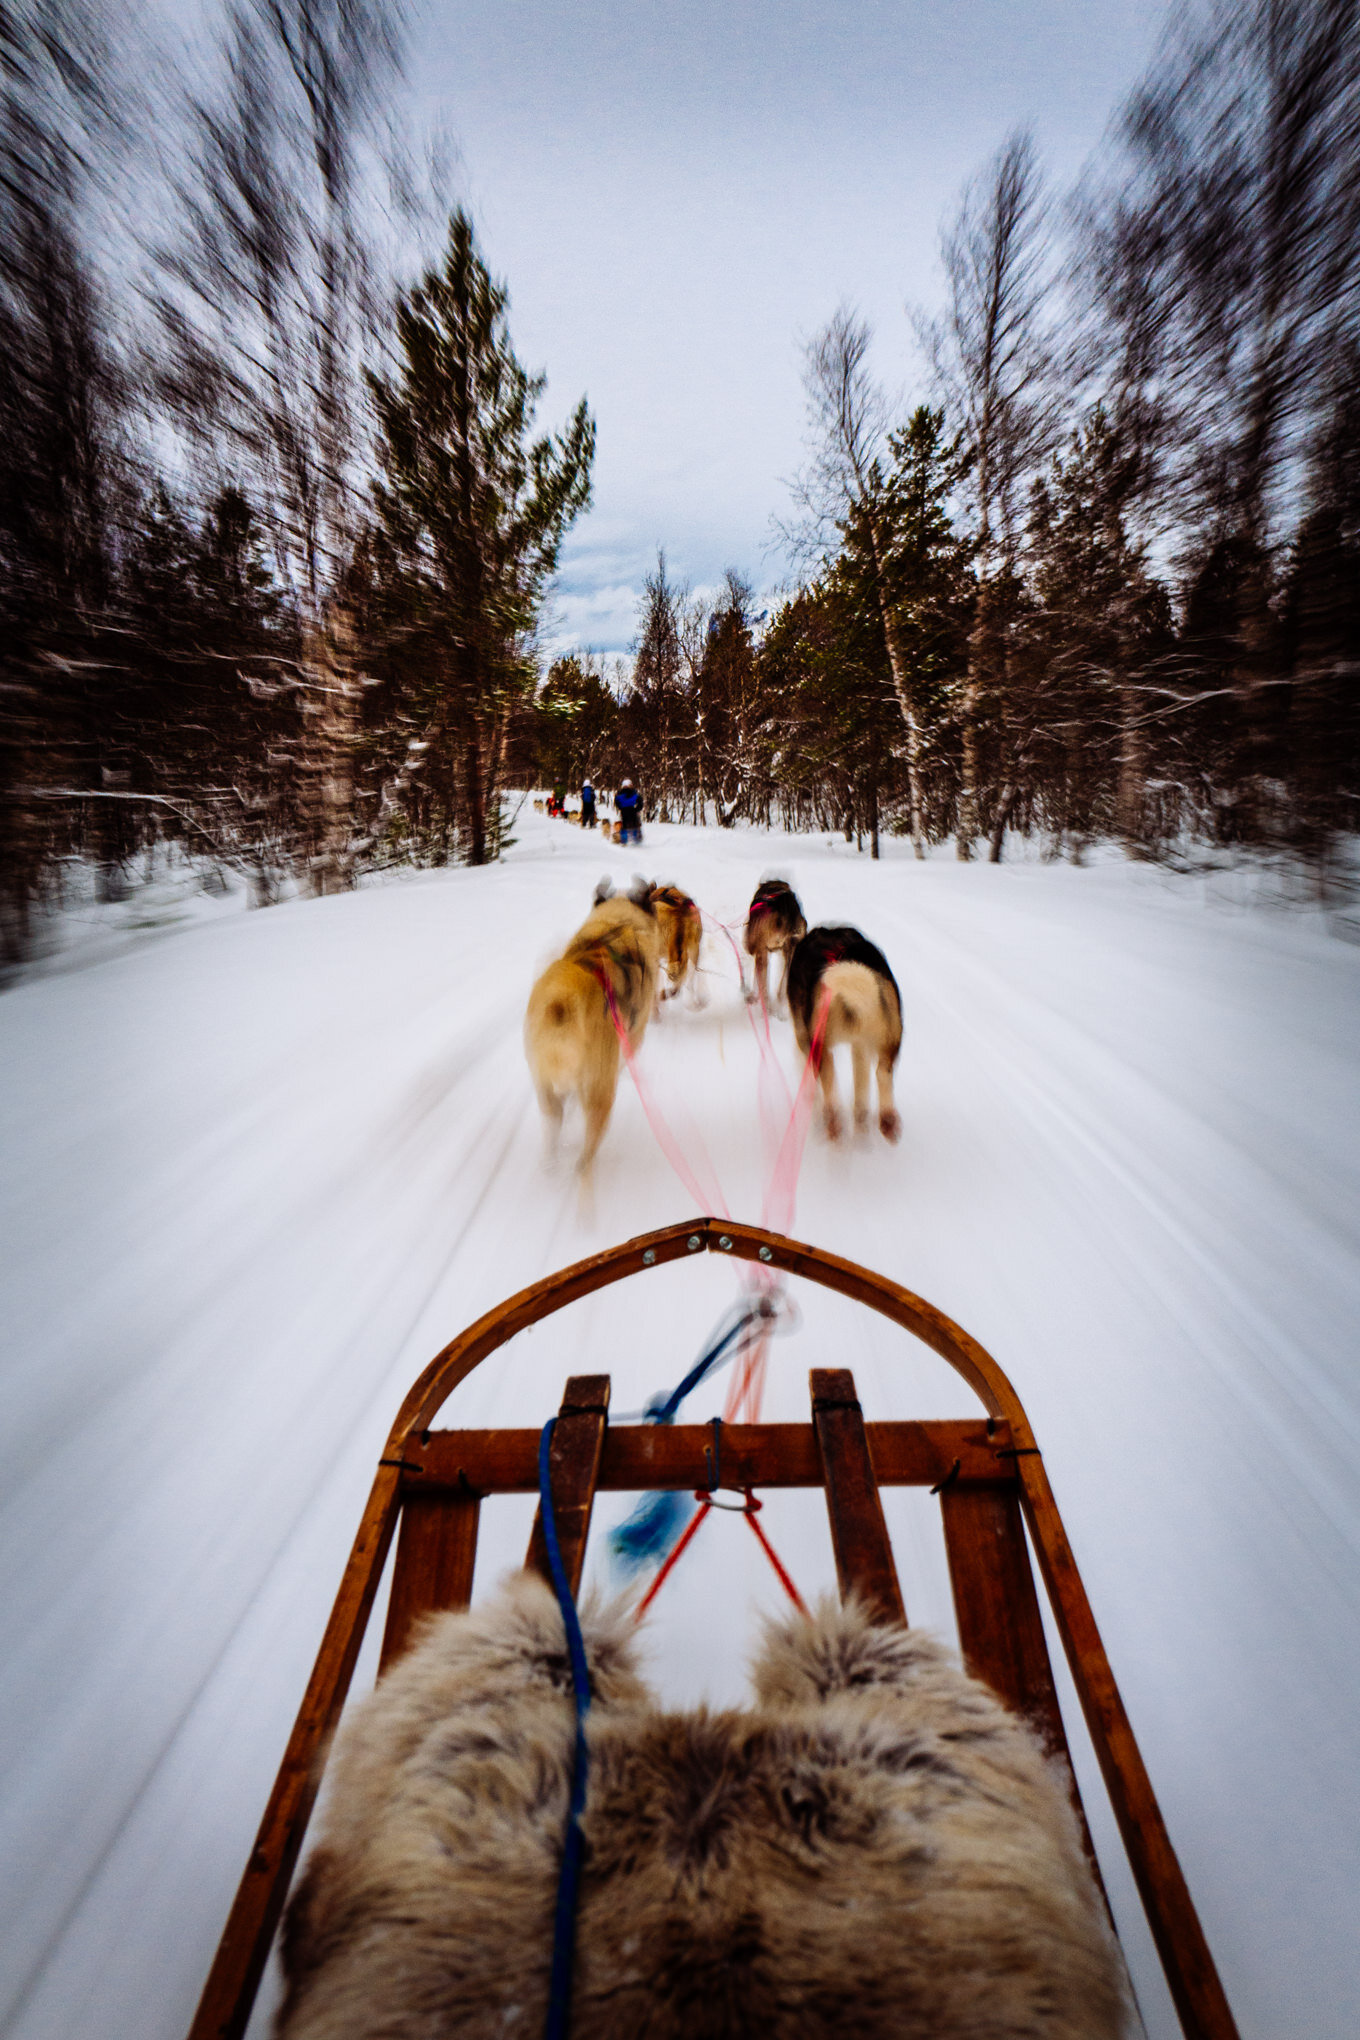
<point>875,1848</point>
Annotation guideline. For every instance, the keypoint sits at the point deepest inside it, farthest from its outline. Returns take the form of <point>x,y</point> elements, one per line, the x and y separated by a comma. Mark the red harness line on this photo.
<point>707,1197</point>
<point>691,1531</point>
<point>747,1388</point>
<point>781,1191</point>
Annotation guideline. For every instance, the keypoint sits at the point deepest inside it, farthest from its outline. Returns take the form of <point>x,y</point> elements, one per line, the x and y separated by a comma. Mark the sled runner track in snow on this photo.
<point>989,1475</point>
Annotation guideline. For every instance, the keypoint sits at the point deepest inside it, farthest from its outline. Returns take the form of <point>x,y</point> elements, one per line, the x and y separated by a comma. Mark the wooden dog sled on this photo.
<point>987,1471</point>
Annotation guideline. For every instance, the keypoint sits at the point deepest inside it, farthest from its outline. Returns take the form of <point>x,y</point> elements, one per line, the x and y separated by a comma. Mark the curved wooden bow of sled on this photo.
<point>229,1993</point>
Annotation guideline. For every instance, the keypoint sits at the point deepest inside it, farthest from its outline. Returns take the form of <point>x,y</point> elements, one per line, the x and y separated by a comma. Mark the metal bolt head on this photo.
<point>765,1254</point>
<point>694,1243</point>
<point>649,1257</point>
<point>725,1243</point>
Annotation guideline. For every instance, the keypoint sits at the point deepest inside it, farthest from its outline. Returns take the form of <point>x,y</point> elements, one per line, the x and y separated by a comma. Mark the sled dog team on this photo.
<point>608,982</point>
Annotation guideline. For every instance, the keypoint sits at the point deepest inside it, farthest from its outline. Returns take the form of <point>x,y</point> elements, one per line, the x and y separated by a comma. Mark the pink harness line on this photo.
<point>746,1391</point>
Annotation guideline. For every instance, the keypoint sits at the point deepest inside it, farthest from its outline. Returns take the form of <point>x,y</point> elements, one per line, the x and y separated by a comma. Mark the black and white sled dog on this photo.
<point>837,973</point>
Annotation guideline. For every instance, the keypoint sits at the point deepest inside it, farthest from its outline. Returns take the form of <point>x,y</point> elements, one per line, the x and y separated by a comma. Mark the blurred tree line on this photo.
<point>1107,583</point>
<point>275,527</point>
<point>276,524</point>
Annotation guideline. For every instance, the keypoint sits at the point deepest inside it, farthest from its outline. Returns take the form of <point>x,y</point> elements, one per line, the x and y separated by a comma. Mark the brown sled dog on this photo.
<point>681,929</point>
<point>570,1034</point>
<point>875,1848</point>
<point>836,970</point>
<point>774,924</point>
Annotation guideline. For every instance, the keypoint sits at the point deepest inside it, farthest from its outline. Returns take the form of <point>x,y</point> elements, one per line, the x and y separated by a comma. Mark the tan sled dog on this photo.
<point>570,1036</point>
<point>681,928</point>
<point>834,970</point>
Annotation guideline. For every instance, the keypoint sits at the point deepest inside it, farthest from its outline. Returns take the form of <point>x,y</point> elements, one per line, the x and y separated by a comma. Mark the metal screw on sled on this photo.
<point>725,1244</point>
<point>649,1257</point>
<point>694,1243</point>
<point>765,1254</point>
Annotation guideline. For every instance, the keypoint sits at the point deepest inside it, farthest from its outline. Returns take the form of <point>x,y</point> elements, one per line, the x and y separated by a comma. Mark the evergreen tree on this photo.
<point>1097,639</point>
<point>825,660</point>
<point>472,512</point>
<point>729,712</point>
<point>577,724</point>
<point>903,559</point>
<point>658,718</point>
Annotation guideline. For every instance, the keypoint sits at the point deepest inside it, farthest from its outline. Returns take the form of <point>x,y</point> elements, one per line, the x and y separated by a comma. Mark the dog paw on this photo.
<point>835,1126</point>
<point>890,1125</point>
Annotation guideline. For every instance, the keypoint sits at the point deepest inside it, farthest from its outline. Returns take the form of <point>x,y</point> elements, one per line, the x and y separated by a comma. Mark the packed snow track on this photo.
<point>256,1171</point>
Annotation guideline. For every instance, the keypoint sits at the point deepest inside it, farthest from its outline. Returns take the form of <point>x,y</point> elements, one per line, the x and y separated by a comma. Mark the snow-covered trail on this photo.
<point>253,1175</point>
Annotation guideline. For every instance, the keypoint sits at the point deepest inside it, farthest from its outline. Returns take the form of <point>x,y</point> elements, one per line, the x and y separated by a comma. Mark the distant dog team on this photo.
<point>835,985</point>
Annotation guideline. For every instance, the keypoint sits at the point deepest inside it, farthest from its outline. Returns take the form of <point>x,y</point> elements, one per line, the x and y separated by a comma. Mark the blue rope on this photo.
<point>663,1412</point>
<point>657,1520</point>
<point>573,1847</point>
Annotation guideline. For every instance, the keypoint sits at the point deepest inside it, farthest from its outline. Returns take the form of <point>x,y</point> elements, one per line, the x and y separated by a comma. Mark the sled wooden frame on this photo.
<point>987,1472</point>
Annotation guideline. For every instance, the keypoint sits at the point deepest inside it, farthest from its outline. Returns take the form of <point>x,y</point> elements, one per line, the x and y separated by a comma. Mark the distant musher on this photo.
<point>587,805</point>
<point>628,801</point>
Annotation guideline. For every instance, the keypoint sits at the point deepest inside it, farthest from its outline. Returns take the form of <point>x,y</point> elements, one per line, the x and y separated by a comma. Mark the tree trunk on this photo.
<point>901,687</point>
<point>327,754</point>
<point>1130,797</point>
<point>969,824</point>
<point>474,800</point>
<point>1010,793</point>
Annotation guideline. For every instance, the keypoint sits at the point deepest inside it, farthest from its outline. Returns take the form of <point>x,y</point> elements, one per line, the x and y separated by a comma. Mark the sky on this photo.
<point>678,196</point>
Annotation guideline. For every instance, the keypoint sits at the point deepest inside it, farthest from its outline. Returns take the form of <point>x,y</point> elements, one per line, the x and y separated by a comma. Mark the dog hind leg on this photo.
<point>831,1108</point>
<point>597,1106</point>
<point>889,1121</point>
<point>859,1057</point>
<point>598,1086</point>
<point>781,1004</point>
<point>550,1105</point>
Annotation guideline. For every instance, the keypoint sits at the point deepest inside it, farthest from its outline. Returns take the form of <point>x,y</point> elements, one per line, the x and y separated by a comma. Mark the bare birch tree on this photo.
<point>992,359</point>
<point>1236,217</point>
<point>266,304</point>
<point>849,418</point>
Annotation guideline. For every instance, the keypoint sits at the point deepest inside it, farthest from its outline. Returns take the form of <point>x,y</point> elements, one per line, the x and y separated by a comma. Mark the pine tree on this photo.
<point>903,559</point>
<point>658,720</point>
<point>577,720</point>
<point>473,513</point>
<point>1102,626</point>
<point>729,713</point>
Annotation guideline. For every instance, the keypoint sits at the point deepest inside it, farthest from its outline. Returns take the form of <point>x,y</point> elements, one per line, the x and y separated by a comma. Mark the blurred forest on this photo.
<point>277,523</point>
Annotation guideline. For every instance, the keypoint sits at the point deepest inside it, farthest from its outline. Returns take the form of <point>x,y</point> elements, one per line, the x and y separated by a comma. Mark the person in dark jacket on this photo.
<point>628,801</point>
<point>587,805</point>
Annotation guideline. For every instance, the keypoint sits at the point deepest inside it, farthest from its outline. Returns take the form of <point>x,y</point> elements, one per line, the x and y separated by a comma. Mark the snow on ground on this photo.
<point>257,1169</point>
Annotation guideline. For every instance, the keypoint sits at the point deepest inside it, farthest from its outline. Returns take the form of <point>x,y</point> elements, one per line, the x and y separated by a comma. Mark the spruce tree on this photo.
<point>473,512</point>
<point>1101,629</point>
<point>903,563</point>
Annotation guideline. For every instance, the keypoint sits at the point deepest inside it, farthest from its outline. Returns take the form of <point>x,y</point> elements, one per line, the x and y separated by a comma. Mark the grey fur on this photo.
<point>875,1848</point>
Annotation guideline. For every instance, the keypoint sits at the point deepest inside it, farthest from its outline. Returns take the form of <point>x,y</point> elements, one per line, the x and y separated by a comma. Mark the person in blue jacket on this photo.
<point>628,801</point>
<point>587,805</point>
